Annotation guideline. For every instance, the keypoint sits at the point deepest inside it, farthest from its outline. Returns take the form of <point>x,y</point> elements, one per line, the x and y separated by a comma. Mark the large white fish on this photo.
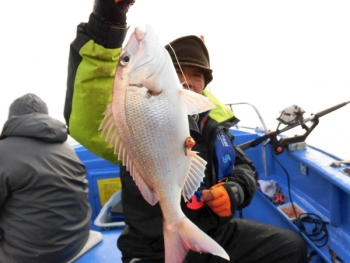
<point>147,124</point>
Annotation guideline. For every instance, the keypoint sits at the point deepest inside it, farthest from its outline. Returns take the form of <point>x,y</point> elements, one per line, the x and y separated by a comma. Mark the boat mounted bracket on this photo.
<point>279,145</point>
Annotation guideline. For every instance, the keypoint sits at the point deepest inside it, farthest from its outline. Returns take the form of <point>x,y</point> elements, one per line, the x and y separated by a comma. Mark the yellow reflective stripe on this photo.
<point>221,112</point>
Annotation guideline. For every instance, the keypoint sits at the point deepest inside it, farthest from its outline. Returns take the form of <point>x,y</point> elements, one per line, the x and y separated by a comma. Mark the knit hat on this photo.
<point>28,103</point>
<point>191,51</point>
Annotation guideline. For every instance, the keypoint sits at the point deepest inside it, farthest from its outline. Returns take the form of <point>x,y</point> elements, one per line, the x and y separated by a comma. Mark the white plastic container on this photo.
<point>103,220</point>
<point>287,210</point>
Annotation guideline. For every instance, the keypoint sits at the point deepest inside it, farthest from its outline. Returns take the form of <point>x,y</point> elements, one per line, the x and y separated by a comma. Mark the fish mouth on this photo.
<point>139,85</point>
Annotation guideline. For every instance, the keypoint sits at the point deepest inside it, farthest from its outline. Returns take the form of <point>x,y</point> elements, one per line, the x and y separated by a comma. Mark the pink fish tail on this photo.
<point>184,236</point>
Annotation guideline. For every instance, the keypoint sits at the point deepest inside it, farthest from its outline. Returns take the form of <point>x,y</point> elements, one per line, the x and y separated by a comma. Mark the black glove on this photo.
<point>107,22</point>
<point>112,11</point>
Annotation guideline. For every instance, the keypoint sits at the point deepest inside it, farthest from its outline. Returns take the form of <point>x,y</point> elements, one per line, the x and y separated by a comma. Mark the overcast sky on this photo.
<point>269,53</point>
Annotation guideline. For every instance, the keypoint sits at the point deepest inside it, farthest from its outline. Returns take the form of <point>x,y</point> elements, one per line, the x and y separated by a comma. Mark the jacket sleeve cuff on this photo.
<point>234,202</point>
<point>104,34</point>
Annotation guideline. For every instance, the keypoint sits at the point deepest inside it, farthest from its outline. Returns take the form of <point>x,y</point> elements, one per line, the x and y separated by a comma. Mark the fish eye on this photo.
<point>125,59</point>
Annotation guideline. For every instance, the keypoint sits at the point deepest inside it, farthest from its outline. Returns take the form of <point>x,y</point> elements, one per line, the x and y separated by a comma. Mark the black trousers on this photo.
<point>248,241</point>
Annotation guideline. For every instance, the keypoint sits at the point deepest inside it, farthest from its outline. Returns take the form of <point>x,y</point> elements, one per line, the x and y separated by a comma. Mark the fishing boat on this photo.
<point>300,187</point>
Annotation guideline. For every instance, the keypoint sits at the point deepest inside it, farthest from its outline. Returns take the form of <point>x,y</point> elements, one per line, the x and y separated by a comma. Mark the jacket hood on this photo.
<point>28,103</point>
<point>35,125</point>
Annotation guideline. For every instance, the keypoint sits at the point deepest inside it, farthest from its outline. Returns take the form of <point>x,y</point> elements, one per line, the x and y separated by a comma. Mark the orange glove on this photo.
<point>218,200</point>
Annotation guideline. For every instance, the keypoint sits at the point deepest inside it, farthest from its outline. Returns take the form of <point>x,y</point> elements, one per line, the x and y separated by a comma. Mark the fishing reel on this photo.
<point>291,116</point>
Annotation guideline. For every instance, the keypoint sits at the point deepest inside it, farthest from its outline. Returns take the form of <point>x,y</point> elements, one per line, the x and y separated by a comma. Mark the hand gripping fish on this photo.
<point>147,125</point>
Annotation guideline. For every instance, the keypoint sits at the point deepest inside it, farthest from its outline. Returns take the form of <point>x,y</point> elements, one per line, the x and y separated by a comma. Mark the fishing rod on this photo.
<point>292,116</point>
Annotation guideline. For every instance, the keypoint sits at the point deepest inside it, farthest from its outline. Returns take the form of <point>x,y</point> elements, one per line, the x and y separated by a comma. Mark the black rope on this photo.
<point>319,233</point>
<point>334,257</point>
<point>288,184</point>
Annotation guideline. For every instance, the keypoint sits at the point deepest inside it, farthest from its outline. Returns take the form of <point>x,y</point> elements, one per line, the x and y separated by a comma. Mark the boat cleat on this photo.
<point>339,163</point>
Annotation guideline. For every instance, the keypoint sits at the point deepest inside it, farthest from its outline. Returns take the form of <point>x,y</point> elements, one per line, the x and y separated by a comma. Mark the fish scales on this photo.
<point>157,149</point>
<point>154,148</point>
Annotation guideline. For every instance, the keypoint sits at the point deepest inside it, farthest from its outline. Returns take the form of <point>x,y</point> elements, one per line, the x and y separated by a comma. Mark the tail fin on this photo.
<point>184,236</point>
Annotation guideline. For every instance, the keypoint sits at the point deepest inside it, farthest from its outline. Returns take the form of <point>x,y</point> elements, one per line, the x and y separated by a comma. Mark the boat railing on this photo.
<point>255,109</point>
<point>264,127</point>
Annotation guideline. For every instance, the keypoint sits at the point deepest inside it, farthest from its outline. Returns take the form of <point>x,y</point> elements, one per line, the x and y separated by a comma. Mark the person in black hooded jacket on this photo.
<point>230,176</point>
<point>44,209</point>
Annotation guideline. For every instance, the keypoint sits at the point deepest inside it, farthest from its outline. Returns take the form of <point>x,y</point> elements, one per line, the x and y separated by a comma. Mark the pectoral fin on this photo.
<point>195,103</point>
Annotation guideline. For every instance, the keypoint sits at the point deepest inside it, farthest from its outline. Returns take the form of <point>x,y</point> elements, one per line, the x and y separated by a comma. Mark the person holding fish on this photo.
<point>146,105</point>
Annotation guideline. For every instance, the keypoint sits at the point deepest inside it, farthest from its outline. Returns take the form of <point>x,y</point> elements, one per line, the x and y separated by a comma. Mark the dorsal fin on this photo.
<point>110,131</point>
<point>195,103</point>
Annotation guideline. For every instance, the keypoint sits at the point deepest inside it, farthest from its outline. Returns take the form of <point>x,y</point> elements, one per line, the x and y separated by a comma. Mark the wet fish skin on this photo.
<point>147,125</point>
